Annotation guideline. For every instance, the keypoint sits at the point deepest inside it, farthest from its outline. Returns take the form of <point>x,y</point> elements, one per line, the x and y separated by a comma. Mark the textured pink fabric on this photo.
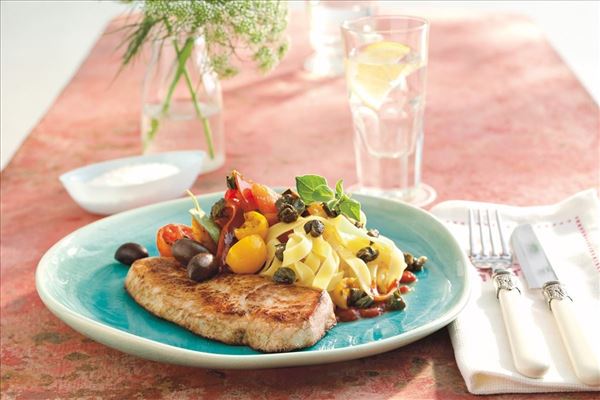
<point>506,121</point>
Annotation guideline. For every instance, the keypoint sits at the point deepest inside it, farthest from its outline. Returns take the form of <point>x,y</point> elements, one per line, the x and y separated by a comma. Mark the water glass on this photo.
<point>386,68</point>
<point>325,18</point>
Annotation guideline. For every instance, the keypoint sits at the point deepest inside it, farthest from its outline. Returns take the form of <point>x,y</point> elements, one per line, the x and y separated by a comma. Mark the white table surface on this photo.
<point>44,42</point>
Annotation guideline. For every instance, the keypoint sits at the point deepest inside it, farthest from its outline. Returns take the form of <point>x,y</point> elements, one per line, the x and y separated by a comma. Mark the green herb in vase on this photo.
<point>195,42</point>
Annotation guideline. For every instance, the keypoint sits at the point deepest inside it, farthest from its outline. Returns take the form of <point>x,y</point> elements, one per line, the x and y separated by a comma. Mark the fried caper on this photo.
<point>284,275</point>
<point>287,214</point>
<point>279,249</point>
<point>367,254</point>
<point>314,227</point>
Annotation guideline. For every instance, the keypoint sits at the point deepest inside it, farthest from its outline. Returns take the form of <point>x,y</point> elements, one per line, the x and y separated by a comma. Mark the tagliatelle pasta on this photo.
<point>322,262</point>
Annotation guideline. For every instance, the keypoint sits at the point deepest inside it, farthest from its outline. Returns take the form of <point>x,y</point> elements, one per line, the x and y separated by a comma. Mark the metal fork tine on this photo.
<point>489,222</point>
<point>471,235</point>
<point>484,250</point>
<point>505,248</point>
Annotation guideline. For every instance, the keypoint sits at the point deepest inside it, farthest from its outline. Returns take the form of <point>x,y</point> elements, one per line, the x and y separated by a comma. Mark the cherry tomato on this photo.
<point>408,277</point>
<point>265,198</point>
<point>169,234</point>
<point>254,223</point>
<point>248,255</point>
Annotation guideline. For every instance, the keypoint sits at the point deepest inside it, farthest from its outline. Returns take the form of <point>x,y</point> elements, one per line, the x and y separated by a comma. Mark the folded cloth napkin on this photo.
<point>570,234</point>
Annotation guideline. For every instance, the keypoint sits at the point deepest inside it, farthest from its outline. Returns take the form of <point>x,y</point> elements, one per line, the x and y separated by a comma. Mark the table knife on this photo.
<point>539,274</point>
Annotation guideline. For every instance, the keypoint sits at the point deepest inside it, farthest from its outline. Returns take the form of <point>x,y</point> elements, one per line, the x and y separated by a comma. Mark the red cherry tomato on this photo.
<point>404,289</point>
<point>169,234</point>
<point>408,277</point>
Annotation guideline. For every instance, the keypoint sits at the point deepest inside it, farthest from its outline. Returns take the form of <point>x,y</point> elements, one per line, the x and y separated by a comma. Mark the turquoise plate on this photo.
<point>80,282</point>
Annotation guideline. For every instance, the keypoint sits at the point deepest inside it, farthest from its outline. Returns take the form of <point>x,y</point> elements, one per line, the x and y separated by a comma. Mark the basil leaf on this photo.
<point>339,188</point>
<point>350,208</point>
<point>306,186</point>
<point>322,193</point>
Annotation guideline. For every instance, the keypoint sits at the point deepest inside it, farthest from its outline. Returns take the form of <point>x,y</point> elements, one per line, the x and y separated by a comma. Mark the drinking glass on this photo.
<point>386,67</point>
<point>324,19</point>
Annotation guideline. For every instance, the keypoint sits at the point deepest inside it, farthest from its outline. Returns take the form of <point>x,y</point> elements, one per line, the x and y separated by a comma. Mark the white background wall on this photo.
<point>44,42</point>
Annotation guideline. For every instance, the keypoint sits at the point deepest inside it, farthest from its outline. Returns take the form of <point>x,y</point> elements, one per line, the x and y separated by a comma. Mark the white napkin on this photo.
<point>570,234</point>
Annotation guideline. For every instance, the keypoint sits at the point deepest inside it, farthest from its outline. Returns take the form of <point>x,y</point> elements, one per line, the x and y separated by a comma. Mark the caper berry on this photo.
<point>284,275</point>
<point>367,254</point>
<point>298,205</point>
<point>280,202</point>
<point>395,302</point>
<point>279,249</point>
<point>314,227</point>
<point>287,214</point>
<point>414,264</point>
<point>373,233</point>
<point>129,252</point>
<point>364,302</point>
<point>330,212</point>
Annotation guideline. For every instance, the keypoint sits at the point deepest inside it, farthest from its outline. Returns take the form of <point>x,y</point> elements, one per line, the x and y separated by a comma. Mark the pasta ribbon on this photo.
<point>322,262</point>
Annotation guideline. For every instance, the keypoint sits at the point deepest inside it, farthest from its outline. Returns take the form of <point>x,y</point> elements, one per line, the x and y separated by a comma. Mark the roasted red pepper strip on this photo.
<point>244,192</point>
<point>234,218</point>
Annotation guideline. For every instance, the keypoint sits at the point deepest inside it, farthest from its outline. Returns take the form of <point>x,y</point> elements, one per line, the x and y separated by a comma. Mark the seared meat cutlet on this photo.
<point>235,309</point>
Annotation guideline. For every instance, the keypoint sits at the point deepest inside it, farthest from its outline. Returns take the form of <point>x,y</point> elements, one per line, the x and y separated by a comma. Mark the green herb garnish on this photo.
<point>314,188</point>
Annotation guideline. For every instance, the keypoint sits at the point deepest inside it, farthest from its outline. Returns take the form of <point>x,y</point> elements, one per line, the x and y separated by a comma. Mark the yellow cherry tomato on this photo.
<point>248,255</point>
<point>316,209</point>
<point>254,224</point>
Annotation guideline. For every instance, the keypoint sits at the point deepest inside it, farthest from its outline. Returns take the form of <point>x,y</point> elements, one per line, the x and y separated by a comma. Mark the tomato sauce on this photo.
<point>353,313</point>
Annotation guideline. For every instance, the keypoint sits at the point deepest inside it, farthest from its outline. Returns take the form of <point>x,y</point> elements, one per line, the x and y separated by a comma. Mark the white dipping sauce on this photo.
<point>134,174</point>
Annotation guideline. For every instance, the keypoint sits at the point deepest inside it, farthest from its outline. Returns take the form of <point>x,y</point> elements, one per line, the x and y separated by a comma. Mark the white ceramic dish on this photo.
<point>106,200</point>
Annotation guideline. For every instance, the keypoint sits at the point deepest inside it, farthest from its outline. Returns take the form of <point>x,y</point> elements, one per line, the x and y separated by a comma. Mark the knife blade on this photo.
<point>539,273</point>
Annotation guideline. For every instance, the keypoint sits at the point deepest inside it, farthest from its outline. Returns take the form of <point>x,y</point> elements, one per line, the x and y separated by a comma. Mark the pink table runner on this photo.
<point>506,121</point>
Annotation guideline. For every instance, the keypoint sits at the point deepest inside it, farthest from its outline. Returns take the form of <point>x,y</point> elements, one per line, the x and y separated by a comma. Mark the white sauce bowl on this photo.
<point>105,199</point>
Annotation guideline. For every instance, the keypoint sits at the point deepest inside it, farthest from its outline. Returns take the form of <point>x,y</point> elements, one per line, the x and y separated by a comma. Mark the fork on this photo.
<point>524,338</point>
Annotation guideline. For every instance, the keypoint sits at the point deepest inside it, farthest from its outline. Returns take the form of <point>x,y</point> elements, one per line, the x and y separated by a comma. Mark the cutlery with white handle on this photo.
<point>540,274</point>
<point>524,338</point>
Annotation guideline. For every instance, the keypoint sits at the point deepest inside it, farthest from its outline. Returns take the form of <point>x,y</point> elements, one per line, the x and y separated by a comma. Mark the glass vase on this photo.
<point>182,102</point>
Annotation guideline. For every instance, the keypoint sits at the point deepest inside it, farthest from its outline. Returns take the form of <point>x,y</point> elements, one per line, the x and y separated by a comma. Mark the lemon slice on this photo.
<point>377,69</point>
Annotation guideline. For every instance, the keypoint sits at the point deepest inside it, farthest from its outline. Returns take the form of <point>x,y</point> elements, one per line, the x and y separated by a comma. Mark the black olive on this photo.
<point>314,227</point>
<point>129,252</point>
<point>184,249</point>
<point>367,254</point>
<point>395,302</point>
<point>284,275</point>
<point>202,267</point>
<point>287,214</point>
<point>279,249</point>
<point>373,233</point>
